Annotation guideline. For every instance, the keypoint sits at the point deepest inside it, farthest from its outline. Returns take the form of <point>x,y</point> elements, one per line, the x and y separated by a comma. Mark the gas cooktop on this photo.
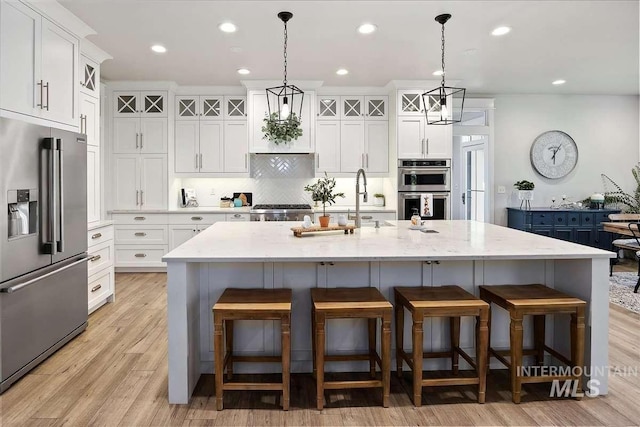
<point>280,212</point>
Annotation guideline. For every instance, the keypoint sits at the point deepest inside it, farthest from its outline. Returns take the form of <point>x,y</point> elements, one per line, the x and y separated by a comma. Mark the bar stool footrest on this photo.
<point>334,385</point>
<point>435,382</point>
<point>252,386</point>
<point>259,359</point>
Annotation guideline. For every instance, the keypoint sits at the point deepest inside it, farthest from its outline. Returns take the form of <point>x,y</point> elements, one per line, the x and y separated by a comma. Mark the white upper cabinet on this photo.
<point>187,140</point>
<point>126,135</point>
<point>235,107</point>
<point>38,66</point>
<point>90,118</point>
<point>328,107</point>
<point>410,137</point>
<point>140,104</point>
<point>195,107</point>
<point>376,137</point>
<point>153,135</point>
<point>211,151</point>
<point>438,141</point>
<point>410,103</point>
<point>89,76</point>
<point>351,146</point>
<point>327,146</point>
<point>187,108</point>
<point>20,64</point>
<point>258,110</point>
<point>236,147</point>
<point>376,107</point>
<point>211,107</point>
<point>352,107</point>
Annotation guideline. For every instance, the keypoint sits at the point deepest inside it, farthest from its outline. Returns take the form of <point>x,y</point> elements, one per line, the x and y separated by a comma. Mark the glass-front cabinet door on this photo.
<point>352,107</point>
<point>410,102</point>
<point>187,107</point>
<point>89,76</point>
<point>376,107</point>
<point>211,107</point>
<point>126,104</point>
<point>154,104</point>
<point>235,107</point>
<point>328,107</point>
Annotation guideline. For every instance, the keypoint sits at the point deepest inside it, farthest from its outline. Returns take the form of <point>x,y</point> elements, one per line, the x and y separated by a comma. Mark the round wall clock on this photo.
<point>554,154</point>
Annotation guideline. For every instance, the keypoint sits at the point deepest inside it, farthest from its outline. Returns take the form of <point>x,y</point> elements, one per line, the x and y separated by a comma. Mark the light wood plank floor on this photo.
<point>115,373</point>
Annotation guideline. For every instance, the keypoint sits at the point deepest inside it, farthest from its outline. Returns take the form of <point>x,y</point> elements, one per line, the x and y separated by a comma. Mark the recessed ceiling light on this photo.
<point>500,31</point>
<point>158,48</point>
<point>243,71</point>
<point>558,82</point>
<point>438,73</point>
<point>367,28</point>
<point>342,72</point>
<point>227,27</point>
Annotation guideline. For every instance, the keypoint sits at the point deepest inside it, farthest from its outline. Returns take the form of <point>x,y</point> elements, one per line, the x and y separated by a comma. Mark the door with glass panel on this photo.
<point>474,196</point>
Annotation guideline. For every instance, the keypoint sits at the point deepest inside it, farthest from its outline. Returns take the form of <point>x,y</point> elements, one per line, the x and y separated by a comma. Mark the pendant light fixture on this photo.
<point>439,102</point>
<point>285,100</point>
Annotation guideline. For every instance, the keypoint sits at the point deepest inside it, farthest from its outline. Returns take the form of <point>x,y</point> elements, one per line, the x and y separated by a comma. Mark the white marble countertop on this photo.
<point>454,240</point>
<point>246,209</point>
<point>363,208</point>
<point>99,224</point>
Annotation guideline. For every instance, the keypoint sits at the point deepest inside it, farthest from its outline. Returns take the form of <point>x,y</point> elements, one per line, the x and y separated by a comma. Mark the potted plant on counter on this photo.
<point>322,191</point>
<point>525,192</point>
<point>378,199</point>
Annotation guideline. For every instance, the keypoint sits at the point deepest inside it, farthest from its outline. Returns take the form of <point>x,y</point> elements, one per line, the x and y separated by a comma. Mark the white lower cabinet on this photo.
<point>93,184</point>
<point>90,118</point>
<point>101,283</point>
<point>141,256</point>
<point>140,181</point>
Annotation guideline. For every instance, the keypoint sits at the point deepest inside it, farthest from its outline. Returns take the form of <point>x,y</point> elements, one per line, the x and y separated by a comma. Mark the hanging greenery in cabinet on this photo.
<point>281,131</point>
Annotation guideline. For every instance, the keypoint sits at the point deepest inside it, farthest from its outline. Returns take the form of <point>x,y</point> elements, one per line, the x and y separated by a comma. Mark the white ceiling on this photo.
<point>593,45</point>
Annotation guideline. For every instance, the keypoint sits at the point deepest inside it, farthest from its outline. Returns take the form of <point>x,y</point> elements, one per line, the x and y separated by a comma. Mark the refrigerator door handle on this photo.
<point>60,242</point>
<point>23,285</point>
<point>50,246</point>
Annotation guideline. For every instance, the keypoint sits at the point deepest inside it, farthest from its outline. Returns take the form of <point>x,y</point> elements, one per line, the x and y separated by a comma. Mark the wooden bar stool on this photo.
<point>536,300</point>
<point>251,304</point>
<point>442,301</point>
<point>341,303</point>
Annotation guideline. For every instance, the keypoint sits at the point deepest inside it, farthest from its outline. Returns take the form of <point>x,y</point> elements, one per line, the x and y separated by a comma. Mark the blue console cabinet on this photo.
<point>574,225</point>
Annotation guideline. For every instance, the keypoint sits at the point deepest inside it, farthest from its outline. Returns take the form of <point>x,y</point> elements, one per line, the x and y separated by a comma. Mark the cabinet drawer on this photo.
<point>100,286</point>
<point>560,218</point>
<point>573,219</point>
<point>237,217</point>
<point>99,236</point>
<point>602,217</point>
<point>100,256</point>
<point>541,219</point>
<point>587,219</point>
<point>141,218</point>
<point>133,235</point>
<point>140,256</point>
<point>195,218</point>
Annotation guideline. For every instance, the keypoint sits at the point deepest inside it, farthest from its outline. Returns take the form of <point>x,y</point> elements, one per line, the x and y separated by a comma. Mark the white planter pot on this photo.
<point>378,201</point>
<point>525,195</point>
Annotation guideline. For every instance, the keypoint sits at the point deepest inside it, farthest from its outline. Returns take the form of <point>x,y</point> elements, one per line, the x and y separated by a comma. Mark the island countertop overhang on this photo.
<point>454,240</point>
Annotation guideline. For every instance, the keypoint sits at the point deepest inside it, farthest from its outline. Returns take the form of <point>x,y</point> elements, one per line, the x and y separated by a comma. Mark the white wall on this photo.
<point>605,129</point>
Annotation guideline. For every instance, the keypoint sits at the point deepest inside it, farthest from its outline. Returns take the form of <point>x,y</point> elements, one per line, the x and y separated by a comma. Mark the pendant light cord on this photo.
<point>285,53</point>
<point>442,56</point>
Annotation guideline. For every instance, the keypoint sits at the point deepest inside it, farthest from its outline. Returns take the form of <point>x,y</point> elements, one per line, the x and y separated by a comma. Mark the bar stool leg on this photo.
<point>228,326</point>
<point>399,311</point>
<point>372,347</point>
<point>320,324</point>
<point>454,329</point>
<point>482,345</point>
<point>489,338</point>
<point>313,340</point>
<point>538,334</point>
<point>417,357</point>
<point>577,344</point>
<point>516,354</point>
<point>219,358</point>
<point>385,337</point>
<point>285,326</point>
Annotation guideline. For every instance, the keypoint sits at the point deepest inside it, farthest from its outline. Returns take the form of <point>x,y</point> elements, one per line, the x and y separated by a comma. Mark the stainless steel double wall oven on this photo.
<point>419,176</point>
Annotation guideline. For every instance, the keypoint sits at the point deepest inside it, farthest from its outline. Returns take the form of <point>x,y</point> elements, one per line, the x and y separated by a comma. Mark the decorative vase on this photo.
<point>324,220</point>
<point>378,201</point>
<point>525,197</point>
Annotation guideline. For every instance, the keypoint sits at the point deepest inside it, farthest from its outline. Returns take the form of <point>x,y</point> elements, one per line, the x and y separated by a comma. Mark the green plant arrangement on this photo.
<point>380,199</point>
<point>524,185</point>
<point>629,203</point>
<point>322,191</point>
<point>284,131</point>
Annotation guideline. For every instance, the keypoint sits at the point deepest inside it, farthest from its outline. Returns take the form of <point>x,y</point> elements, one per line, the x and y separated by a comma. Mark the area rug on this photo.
<point>621,291</point>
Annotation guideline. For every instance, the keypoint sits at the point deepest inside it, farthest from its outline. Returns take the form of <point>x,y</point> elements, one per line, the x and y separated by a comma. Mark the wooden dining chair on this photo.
<point>632,244</point>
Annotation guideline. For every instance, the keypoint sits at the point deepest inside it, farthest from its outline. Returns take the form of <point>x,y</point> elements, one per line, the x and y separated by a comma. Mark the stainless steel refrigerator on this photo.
<point>43,244</point>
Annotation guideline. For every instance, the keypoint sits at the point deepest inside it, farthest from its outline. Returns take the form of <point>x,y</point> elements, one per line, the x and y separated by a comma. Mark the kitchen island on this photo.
<point>464,253</point>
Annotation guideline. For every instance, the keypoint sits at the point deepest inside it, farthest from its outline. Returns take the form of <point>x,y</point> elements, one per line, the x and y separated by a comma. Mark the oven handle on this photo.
<point>430,171</point>
<point>436,195</point>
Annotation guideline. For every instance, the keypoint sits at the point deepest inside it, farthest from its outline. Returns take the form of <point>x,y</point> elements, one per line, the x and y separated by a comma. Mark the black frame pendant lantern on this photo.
<point>285,100</point>
<point>439,102</point>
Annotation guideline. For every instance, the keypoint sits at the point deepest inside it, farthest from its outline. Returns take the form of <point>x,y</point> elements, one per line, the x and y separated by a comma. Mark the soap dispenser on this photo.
<point>415,218</point>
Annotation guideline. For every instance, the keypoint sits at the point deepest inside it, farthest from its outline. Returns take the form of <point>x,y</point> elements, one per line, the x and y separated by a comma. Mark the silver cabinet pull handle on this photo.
<point>96,236</point>
<point>141,141</point>
<point>137,197</point>
<point>367,157</point>
<point>140,255</point>
<point>427,143</point>
<point>237,216</point>
<point>137,145</point>
<point>41,105</point>
<point>140,234</point>
<point>196,218</point>
<point>245,161</point>
<point>47,86</point>
<point>95,258</point>
<point>141,197</point>
<point>196,161</point>
<point>95,288</point>
<point>139,218</point>
<point>200,160</point>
